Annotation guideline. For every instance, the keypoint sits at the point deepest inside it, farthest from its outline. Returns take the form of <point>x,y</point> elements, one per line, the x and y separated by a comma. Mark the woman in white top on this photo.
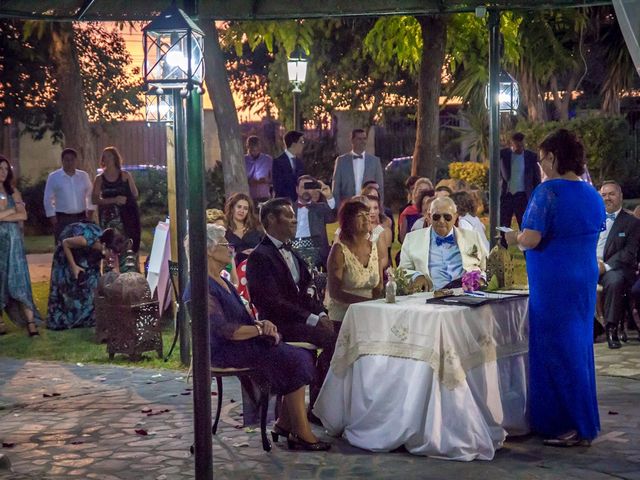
<point>467,217</point>
<point>354,268</point>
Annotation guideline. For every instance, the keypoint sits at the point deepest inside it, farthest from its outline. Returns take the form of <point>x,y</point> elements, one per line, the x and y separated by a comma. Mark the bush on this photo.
<point>214,188</point>
<point>33,196</point>
<point>471,172</point>
<point>395,192</point>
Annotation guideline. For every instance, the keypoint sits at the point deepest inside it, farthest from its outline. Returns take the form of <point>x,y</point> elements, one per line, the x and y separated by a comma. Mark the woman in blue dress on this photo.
<point>75,273</point>
<point>239,341</point>
<point>560,232</point>
<point>15,284</point>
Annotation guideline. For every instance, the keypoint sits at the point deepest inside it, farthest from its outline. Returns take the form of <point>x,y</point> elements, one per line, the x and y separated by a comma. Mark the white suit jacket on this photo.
<point>414,256</point>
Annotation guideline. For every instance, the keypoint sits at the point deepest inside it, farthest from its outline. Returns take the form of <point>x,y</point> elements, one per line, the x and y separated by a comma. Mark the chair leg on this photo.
<point>215,423</point>
<point>264,406</point>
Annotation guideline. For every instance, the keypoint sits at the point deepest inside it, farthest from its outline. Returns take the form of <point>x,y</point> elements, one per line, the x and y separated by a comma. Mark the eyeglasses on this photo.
<point>436,217</point>
<point>230,246</point>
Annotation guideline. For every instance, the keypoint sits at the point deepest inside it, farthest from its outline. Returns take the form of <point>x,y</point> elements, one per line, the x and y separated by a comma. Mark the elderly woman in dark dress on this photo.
<point>239,341</point>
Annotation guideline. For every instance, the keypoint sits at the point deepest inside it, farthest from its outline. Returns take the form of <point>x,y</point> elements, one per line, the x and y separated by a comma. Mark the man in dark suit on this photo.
<point>314,209</point>
<point>617,253</point>
<point>280,288</point>
<point>288,166</point>
<point>519,174</point>
<point>355,168</point>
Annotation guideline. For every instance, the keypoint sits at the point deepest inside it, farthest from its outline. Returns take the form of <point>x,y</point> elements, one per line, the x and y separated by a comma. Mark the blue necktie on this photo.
<point>442,240</point>
<point>611,216</point>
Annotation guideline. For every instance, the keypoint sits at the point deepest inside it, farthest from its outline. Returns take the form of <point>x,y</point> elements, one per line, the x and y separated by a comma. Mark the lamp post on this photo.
<point>173,60</point>
<point>297,70</point>
<point>508,93</point>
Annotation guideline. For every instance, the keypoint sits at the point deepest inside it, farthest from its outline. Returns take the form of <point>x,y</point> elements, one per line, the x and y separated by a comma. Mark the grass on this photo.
<point>38,243</point>
<point>76,345</point>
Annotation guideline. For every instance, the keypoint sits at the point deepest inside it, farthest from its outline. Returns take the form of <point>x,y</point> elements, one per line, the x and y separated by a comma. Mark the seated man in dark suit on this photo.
<point>617,253</point>
<point>288,166</point>
<point>279,284</point>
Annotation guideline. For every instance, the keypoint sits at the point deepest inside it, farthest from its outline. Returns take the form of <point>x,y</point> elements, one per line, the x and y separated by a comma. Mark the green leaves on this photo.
<point>395,43</point>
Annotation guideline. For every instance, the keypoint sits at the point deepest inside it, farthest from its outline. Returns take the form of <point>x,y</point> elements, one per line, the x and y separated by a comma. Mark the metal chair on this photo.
<point>173,275</point>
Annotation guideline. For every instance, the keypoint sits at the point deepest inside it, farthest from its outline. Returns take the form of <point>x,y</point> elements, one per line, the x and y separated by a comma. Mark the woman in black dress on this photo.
<point>244,231</point>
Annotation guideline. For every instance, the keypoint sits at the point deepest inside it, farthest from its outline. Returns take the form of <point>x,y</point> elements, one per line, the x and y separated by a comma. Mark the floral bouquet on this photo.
<point>471,281</point>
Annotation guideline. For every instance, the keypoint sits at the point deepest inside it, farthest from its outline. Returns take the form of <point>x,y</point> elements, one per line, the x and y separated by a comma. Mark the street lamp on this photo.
<point>174,61</point>
<point>508,93</point>
<point>297,70</point>
<point>158,106</point>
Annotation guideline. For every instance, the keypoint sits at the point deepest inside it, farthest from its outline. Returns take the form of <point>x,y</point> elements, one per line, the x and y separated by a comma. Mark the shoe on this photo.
<point>569,439</point>
<point>622,334</point>
<point>32,329</point>
<point>278,432</point>
<point>313,419</point>
<point>612,337</point>
<point>296,443</point>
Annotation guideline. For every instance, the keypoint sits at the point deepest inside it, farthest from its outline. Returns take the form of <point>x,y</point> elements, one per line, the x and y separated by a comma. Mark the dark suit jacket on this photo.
<point>273,291</point>
<point>621,249</point>
<point>531,171</point>
<point>320,214</point>
<point>285,180</point>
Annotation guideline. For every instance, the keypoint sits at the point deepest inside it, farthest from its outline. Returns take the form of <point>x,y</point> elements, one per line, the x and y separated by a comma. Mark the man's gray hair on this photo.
<point>215,234</point>
<point>445,202</point>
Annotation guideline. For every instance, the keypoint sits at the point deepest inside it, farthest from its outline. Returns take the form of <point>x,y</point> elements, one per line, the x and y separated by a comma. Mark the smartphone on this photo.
<point>504,229</point>
<point>313,185</point>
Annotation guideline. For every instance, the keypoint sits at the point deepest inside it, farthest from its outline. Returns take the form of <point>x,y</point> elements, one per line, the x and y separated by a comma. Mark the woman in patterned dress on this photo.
<point>75,273</point>
<point>15,283</point>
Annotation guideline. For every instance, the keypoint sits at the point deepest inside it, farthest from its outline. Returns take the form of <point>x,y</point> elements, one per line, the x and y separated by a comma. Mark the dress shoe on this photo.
<point>622,334</point>
<point>612,337</point>
<point>569,439</point>
<point>296,443</point>
<point>278,432</point>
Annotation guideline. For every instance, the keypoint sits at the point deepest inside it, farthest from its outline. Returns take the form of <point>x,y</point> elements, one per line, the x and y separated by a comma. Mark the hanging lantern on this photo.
<point>297,68</point>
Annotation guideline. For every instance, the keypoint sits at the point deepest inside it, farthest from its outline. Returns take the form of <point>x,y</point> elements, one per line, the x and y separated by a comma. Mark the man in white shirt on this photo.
<point>355,168</point>
<point>67,194</point>
<point>617,253</point>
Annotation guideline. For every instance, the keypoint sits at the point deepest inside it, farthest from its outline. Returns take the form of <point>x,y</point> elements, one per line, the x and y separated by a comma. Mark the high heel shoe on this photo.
<point>294,442</point>
<point>32,329</point>
<point>569,439</point>
<point>278,432</point>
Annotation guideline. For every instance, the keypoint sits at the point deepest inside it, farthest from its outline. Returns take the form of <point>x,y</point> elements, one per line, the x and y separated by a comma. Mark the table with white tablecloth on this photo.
<point>443,381</point>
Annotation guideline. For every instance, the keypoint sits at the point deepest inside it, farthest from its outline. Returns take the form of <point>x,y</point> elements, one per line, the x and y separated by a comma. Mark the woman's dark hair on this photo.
<point>251,222</point>
<point>423,194</point>
<point>113,240</point>
<point>117,158</point>
<point>347,216</point>
<point>8,182</point>
<point>567,150</point>
<point>464,203</point>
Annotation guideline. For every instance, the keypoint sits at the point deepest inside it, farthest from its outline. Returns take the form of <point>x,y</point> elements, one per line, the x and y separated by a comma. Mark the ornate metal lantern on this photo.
<point>509,93</point>
<point>297,68</point>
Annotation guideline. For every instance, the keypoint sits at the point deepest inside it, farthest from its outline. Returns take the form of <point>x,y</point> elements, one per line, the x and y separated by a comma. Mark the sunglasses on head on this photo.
<point>447,216</point>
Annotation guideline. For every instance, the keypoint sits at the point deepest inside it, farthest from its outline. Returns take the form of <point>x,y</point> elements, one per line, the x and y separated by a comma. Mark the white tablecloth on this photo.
<point>444,381</point>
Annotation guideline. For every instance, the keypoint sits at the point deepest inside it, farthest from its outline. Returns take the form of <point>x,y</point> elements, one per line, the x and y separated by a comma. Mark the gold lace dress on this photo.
<point>356,279</point>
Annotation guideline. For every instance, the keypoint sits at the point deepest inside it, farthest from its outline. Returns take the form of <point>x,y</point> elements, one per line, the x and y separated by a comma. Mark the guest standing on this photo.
<point>116,194</point>
<point>67,194</point>
<point>259,166</point>
<point>353,169</point>
<point>15,283</point>
<point>560,232</point>
<point>288,166</point>
<point>244,230</point>
<point>355,271</point>
<point>75,273</point>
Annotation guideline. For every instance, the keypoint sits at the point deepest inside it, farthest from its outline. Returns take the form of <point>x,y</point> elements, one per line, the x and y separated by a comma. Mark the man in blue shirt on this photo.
<point>519,175</point>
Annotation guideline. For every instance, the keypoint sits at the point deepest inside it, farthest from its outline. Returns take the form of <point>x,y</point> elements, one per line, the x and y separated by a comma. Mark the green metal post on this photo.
<point>199,291</point>
<point>494,123</point>
<point>181,222</point>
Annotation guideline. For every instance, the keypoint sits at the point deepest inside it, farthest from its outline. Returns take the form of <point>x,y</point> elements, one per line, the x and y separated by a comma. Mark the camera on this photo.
<point>313,185</point>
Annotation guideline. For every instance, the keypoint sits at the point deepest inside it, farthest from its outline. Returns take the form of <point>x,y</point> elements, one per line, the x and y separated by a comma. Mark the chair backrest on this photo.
<point>173,278</point>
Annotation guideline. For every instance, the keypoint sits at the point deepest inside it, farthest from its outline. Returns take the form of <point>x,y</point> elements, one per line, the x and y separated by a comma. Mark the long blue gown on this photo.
<point>284,367</point>
<point>563,275</point>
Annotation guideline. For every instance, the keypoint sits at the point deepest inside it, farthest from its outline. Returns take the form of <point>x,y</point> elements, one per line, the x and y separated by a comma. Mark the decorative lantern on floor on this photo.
<point>173,55</point>
<point>500,266</point>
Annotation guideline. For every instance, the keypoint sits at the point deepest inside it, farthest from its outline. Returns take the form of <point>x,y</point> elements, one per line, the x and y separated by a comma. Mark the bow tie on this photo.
<point>611,216</point>
<point>286,246</point>
<point>302,205</point>
<point>355,155</point>
<point>442,240</point>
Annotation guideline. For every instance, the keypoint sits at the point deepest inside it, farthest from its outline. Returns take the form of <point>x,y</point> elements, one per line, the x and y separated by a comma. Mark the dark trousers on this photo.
<point>511,204</point>
<point>614,287</point>
<point>321,337</point>
<point>65,219</point>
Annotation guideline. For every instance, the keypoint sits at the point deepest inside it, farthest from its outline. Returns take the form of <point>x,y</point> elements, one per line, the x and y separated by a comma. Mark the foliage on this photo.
<point>395,192</point>
<point>404,286</point>
<point>32,192</point>
<point>28,91</point>
<point>605,139</point>
<point>473,173</point>
<point>152,185</point>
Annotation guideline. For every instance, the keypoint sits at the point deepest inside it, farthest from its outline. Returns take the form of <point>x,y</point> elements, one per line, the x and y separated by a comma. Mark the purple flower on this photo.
<point>471,281</point>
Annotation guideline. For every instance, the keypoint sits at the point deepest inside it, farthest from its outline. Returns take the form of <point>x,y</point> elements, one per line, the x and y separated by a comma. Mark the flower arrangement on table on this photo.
<point>404,286</point>
<point>472,281</point>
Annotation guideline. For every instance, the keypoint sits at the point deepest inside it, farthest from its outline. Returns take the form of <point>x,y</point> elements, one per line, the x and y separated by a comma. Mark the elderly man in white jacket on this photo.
<point>442,253</point>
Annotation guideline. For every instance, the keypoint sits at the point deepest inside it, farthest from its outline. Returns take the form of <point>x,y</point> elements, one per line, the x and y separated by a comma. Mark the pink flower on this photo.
<point>471,281</point>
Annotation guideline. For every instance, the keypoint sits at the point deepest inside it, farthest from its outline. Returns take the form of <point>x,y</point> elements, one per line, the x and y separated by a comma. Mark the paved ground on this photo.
<point>65,421</point>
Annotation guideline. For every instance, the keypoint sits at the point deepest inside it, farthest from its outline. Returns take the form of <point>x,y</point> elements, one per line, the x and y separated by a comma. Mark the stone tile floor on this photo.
<point>87,431</point>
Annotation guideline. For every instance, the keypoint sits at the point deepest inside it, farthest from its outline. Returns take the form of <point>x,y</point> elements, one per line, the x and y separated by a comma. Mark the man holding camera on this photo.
<point>314,208</point>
